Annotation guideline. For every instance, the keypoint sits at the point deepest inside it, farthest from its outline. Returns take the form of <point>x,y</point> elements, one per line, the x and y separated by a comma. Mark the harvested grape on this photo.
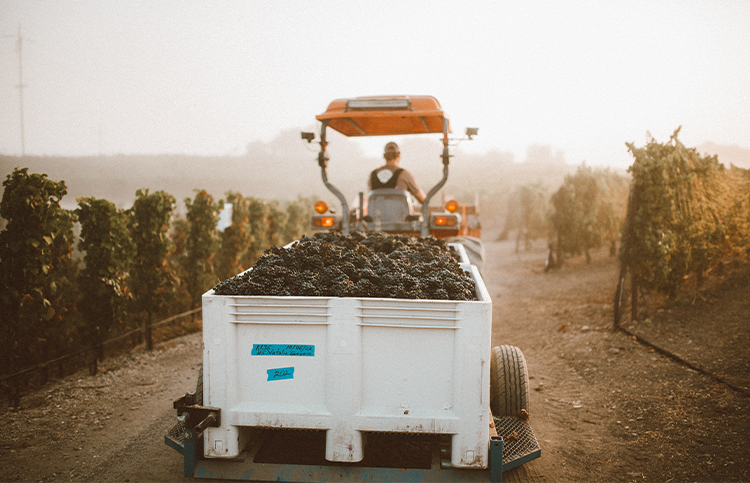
<point>357,265</point>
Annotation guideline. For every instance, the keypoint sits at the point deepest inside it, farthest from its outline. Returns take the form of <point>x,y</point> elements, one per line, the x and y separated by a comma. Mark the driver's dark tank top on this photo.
<point>390,184</point>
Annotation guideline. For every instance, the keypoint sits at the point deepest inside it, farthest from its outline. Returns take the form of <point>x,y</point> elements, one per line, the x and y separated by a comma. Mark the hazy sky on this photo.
<point>209,77</point>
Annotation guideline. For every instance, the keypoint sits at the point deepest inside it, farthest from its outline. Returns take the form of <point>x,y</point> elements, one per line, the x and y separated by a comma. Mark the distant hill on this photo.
<point>734,154</point>
<point>286,168</point>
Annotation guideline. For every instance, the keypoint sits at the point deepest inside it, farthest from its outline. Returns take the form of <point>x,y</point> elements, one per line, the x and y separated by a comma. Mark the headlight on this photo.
<point>321,207</point>
<point>324,221</point>
<point>451,206</point>
<point>444,221</point>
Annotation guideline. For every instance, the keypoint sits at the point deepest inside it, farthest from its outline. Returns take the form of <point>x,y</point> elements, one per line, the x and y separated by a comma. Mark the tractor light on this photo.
<point>444,221</point>
<point>451,206</point>
<point>324,221</point>
<point>321,207</point>
<point>378,104</point>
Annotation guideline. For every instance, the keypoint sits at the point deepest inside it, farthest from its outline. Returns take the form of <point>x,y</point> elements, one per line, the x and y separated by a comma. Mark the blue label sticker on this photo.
<point>280,374</point>
<point>283,350</point>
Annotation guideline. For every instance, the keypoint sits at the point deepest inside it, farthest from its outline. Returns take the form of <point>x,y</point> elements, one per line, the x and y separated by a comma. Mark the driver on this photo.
<point>391,176</point>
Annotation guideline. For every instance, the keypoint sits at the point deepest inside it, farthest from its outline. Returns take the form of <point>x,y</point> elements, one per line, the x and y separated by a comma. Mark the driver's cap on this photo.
<point>392,148</point>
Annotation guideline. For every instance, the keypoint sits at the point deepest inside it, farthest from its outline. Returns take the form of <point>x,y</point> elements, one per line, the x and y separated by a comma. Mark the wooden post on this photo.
<point>45,366</point>
<point>149,339</point>
<point>633,299</point>
<point>618,294</point>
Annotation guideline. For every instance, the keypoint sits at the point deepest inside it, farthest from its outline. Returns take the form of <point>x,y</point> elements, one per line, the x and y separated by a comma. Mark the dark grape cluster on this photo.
<point>357,265</point>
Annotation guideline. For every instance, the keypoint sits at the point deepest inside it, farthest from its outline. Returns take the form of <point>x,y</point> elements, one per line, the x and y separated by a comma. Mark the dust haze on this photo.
<point>286,168</point>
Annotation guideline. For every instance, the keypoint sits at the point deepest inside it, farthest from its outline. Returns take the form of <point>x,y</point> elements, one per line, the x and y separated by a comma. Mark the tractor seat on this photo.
<point>391,206</point>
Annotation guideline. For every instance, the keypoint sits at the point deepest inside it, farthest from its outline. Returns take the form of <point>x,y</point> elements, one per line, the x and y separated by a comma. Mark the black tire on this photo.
<point>199,387</point>
<point>474,249</point>
<point>509,381</point>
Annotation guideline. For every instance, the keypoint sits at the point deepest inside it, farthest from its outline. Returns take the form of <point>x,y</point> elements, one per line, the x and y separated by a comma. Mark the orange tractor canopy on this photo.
<point>386,116</point>
<point>391,210</point>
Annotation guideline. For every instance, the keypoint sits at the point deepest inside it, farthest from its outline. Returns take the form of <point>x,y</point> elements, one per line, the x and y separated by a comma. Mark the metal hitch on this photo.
<point>194,417</point>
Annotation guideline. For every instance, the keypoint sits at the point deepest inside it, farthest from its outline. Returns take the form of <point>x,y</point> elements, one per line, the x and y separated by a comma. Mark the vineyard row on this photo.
<point>61,294</point>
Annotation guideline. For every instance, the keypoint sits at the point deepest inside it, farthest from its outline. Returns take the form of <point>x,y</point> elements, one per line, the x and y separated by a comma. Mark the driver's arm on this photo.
<point>412,186</point>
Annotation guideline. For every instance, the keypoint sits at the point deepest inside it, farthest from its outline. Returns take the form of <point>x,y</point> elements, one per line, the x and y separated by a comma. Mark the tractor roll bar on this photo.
<point>323,163</point>
<point>426,204</point>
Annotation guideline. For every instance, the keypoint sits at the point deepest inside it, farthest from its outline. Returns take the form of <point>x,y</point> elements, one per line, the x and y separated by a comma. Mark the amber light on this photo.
<point>451,206</point>
<point>445,220</point>
<point>324,221</point>
<point>321,207</point>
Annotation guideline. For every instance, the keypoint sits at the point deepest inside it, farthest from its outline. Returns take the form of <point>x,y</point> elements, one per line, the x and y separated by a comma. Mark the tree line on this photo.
<point>583,214</point>
<point>132,265</point>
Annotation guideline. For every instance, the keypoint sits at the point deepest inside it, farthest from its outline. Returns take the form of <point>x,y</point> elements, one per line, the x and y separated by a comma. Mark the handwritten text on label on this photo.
<point>280,374</point>
<point>283,350</point>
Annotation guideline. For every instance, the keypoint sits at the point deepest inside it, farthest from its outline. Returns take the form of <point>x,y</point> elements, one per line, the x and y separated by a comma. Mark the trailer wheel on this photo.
<point>474,249</point>
<point>509,381</point>
<point>199,387</point>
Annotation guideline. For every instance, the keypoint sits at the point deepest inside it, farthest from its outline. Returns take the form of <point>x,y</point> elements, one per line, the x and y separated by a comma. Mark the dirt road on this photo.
<point>603,407</point>
<point>606,408</point>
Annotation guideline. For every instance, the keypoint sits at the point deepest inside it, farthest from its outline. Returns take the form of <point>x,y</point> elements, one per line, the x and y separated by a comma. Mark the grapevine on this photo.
<point>587,211</point>
<point>685,214</point>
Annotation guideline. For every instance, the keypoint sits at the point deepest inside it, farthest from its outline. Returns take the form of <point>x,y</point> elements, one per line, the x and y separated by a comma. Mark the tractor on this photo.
<point>392,210</point>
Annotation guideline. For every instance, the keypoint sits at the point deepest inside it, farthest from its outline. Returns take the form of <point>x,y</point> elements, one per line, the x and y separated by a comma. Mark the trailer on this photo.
<point>354,389</point>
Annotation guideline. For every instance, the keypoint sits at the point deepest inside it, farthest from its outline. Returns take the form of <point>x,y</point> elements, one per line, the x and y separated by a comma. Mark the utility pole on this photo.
<point>21,85</point>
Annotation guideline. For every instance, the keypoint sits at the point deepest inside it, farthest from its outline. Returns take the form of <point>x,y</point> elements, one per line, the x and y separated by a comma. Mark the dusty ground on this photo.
<point>604,407</point>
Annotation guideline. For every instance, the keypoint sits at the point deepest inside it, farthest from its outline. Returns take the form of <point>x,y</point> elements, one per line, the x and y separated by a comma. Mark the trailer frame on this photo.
<point>514,445</point>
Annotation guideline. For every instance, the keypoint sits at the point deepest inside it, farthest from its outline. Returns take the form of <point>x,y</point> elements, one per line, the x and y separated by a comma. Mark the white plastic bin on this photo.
<point>349,366</point>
